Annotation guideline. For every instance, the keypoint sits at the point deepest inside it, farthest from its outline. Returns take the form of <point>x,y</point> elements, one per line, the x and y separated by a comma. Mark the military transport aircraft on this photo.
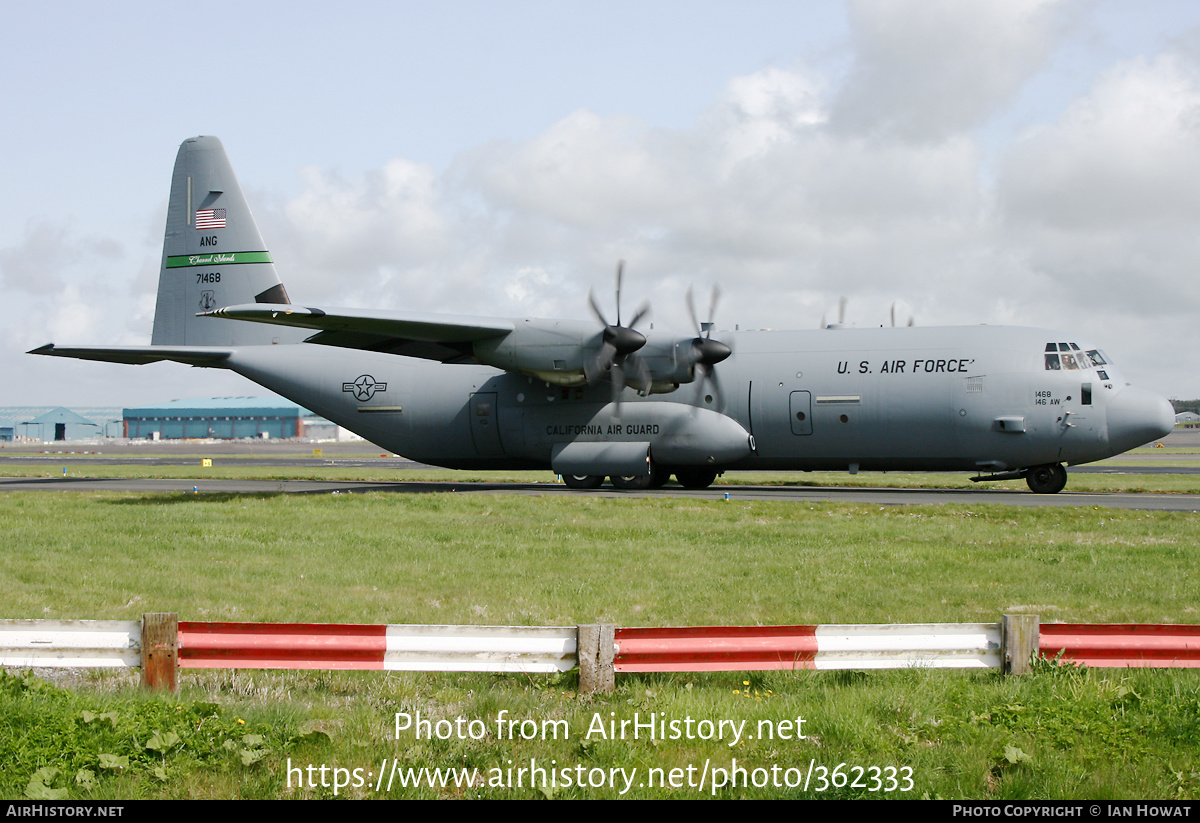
<point>592,399</point>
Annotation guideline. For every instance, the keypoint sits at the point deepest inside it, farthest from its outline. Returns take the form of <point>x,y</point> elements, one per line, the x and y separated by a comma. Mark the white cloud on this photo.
<point>925,69</point>
<point>761,110</point>
<point>758,188</point>
<point>47,255</point>
<point>1103,202</point>
<point>585,171</point>
<point>1127,154</point>
<point>340,231</point>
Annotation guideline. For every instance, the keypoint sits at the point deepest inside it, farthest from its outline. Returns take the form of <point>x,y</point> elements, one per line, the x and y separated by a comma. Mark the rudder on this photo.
<point>213,256</point>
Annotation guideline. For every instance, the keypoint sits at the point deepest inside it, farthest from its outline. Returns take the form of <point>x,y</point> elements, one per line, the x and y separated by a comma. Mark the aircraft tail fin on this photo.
<point>213,256</point>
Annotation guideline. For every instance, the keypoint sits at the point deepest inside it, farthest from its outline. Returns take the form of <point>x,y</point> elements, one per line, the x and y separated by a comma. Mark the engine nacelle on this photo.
<point>551,350</point>
<point>558,352</point>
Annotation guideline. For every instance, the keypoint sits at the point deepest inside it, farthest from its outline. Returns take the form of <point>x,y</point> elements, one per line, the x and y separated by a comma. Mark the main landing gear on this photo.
<point>690,478</point>
<point>696,477</point>
<point>1048,479</point>
<point>583,481</point>
<point>656,479</point>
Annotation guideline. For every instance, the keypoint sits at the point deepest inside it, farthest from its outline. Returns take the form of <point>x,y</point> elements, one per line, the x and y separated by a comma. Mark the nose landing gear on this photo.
<point>1048,479</point>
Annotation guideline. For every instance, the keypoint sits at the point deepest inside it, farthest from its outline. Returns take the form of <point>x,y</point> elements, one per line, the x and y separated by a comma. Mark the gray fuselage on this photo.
<point>974,398</point>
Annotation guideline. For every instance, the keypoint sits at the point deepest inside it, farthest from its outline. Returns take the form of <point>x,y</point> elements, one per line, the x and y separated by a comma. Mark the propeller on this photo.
<point>841,315</point>
<point>618,343</point>
<point>705,352</point>
<point>893,317</point>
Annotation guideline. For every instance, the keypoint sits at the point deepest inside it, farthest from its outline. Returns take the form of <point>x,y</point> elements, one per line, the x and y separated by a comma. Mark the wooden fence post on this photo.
<point>596,644</point>
<point>1018,643</point>
<point>160,650</point>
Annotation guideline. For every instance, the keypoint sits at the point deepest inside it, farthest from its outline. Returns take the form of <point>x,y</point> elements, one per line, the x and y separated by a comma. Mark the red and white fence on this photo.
<point>388,647</point>
<point>850,646</point>
<point>161,646</point>
<point>1118,645</point>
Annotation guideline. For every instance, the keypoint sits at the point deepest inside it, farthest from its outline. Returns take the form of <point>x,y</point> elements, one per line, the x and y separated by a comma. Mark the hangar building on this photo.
<point>218,417</point>
<point>48,423</point>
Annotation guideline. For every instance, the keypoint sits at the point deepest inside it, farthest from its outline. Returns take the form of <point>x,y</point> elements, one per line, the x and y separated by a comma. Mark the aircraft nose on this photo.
<point>1137,416</point>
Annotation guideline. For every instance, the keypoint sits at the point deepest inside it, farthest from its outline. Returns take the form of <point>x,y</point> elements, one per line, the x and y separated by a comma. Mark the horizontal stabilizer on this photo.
<point>210,356</point>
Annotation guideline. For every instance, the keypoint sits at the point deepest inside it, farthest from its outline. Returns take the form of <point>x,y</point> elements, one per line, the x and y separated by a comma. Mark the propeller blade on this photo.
<point>712,307</point>
<point>642,311</point>
<point>713,298</point>
<point>596,308</point>
<point>618,340</point>
<point>598,367</point>
<point>692,312</point>
<point>716,384</point>
<point>705,353</point>
<point>618,387</point>
<point>620,275</point>
<point>709,376</point>
<point>642,380</point>
<point>698,400</point>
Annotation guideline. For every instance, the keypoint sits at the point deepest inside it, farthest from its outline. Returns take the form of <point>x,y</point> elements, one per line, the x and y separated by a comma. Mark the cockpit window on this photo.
<point>1069,356</point>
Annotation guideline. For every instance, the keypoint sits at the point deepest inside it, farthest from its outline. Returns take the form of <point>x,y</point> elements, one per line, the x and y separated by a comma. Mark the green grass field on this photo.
<point>564,560</point>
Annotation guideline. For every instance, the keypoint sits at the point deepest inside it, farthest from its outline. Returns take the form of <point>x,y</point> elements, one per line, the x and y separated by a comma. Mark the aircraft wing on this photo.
<point>139,355</point>
<point>444,337</point>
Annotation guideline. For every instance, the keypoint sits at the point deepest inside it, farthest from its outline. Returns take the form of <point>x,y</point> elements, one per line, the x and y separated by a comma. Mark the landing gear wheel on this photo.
<point>1048,479</point>
<point>583,481</point>
<point>695,478</point>
<point>634,482</point>
<point>659,477</point>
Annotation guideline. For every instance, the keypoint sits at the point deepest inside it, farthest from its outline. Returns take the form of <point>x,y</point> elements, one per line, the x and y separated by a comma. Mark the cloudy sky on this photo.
<point>1010,162</point>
